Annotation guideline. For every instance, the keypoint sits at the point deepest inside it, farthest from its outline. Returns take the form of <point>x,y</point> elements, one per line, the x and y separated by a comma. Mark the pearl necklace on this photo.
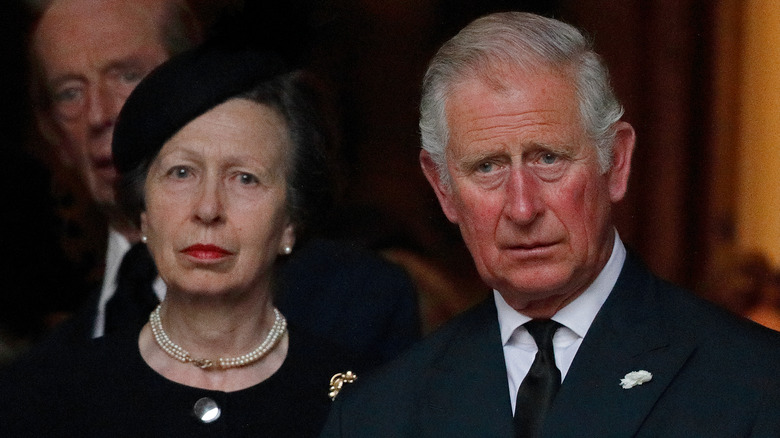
<point>182,355</point>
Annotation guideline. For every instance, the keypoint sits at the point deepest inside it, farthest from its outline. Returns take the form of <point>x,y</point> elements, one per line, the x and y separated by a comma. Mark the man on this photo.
<point>89,55</point>
<point>524,147</point>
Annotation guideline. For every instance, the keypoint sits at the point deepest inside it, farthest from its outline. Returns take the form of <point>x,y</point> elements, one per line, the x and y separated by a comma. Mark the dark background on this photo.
<point>372,55</point>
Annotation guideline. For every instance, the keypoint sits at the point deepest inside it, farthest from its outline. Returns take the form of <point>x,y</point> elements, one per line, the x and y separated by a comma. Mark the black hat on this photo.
<point>182,89</point>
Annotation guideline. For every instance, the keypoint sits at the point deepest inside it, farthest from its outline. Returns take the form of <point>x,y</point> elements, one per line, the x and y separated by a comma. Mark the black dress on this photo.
<point>106,389</point>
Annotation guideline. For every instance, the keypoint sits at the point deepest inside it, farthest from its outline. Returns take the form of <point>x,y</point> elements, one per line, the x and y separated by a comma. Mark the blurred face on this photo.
<point>216,214</point>
<point>93,53</point>
<point>526,190</point>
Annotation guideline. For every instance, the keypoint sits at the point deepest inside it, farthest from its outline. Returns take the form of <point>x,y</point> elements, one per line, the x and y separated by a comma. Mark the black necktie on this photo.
<point>134,298</point>
<point>540,385</point>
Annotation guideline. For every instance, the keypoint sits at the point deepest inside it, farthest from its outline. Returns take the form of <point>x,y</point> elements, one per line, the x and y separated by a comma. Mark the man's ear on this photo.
<point>53,136</point>
<point>443,191</point>
<point>622,151</point>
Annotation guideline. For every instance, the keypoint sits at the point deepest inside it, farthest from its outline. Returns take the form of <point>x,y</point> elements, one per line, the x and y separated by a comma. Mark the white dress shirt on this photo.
<point>116,249</point>
<point>575,319</point>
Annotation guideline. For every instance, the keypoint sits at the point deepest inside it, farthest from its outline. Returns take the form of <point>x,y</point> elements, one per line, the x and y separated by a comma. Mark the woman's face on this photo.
<point>216,214</point>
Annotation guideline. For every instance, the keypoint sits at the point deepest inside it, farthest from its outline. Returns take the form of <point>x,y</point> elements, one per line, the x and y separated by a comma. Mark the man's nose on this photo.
<point>103,107</point>
<point>523,201</point>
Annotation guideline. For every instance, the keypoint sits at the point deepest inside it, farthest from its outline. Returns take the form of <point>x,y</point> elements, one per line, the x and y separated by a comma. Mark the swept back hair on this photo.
<point>520,42</point>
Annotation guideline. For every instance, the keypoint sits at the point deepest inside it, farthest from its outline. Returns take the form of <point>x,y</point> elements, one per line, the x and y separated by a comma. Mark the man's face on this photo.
<point>93,53</point>
<point>527,191</point>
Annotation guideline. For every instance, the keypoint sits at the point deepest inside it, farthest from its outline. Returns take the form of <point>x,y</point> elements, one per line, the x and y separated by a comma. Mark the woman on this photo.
<point>217,150</point>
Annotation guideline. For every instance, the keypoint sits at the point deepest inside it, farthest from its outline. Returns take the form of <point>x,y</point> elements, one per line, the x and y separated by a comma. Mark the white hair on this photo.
<point>524,42</point>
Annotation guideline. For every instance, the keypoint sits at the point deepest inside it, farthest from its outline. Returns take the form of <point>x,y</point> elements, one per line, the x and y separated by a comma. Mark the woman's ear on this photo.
<point>144,224</point>
<point>287,241</point>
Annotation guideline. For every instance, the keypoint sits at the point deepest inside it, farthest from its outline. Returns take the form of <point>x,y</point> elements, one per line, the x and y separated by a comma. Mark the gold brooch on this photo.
<point>338,380</point>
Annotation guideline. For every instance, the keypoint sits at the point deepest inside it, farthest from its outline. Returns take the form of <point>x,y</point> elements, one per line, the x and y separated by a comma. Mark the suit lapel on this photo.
<point>627,335</point>
<point>467,391</point>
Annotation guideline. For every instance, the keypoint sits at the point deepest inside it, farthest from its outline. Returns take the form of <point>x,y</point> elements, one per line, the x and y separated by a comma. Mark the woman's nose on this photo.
<point>209,202</point>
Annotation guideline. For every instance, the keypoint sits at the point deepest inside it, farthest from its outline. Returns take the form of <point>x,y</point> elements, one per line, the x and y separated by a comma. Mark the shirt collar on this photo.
<point>580,313</point>
<point>116,248</point>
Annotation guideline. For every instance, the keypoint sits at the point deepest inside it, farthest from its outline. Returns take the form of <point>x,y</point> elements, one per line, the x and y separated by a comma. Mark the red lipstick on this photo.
<point>206,252</point>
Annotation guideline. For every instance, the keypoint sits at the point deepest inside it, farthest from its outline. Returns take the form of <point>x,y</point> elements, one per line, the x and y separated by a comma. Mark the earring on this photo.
<point>287,250</point>
<point>144,239</point>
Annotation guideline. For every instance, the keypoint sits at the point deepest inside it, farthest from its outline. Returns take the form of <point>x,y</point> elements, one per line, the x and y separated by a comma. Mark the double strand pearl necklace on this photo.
<point>222,363</point>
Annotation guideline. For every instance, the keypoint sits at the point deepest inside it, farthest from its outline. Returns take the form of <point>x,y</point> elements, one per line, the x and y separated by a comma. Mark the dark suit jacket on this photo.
<point>334,290</point>
<point>713,375</point>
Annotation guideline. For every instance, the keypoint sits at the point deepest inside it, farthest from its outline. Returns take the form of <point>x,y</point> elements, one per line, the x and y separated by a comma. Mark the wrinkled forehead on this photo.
<point>96,18</point>
<point>505,100</point>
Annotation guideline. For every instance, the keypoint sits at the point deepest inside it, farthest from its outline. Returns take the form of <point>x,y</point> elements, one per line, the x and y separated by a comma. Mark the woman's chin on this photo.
<point>204,289</point>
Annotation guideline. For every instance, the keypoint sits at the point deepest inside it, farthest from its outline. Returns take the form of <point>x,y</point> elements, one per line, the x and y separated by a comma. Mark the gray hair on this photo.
<point>526,42</point>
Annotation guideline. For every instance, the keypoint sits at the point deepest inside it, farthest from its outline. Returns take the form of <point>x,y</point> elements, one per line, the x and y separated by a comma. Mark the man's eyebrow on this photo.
<point>57,81</point>
<point>470,161</point>
<point>122,64</point>
<point>555,148</point>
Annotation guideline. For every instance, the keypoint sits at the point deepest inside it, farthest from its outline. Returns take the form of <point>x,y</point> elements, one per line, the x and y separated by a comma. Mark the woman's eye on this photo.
<point>180,172</point>
<point>247,178</point>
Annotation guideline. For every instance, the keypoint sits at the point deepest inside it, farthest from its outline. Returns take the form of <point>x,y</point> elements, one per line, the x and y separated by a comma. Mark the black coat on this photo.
<point>339,292</point>
<point>103,388</point>
<point>713,376</point>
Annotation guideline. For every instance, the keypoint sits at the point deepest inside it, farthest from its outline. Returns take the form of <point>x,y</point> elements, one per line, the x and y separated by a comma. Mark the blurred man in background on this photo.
<point>88,55</point>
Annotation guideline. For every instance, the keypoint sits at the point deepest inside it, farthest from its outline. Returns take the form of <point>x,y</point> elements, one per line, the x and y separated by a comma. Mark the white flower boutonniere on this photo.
<point>635,378</point>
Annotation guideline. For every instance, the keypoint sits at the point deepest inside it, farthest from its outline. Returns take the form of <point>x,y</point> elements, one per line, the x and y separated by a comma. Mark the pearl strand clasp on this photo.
<point>175,351</point>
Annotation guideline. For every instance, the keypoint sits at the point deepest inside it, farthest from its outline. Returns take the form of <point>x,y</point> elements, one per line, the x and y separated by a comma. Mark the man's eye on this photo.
<point>485,167</point>
<point>66,95</point>
<point>131,76</point>
<point>549,158</point>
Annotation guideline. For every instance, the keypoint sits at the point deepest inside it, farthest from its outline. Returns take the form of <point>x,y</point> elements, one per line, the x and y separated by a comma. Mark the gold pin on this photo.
<point>338,380</point>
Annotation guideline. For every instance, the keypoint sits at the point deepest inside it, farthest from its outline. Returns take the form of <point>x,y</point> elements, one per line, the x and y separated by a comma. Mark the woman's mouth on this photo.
<point>206,252</point>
